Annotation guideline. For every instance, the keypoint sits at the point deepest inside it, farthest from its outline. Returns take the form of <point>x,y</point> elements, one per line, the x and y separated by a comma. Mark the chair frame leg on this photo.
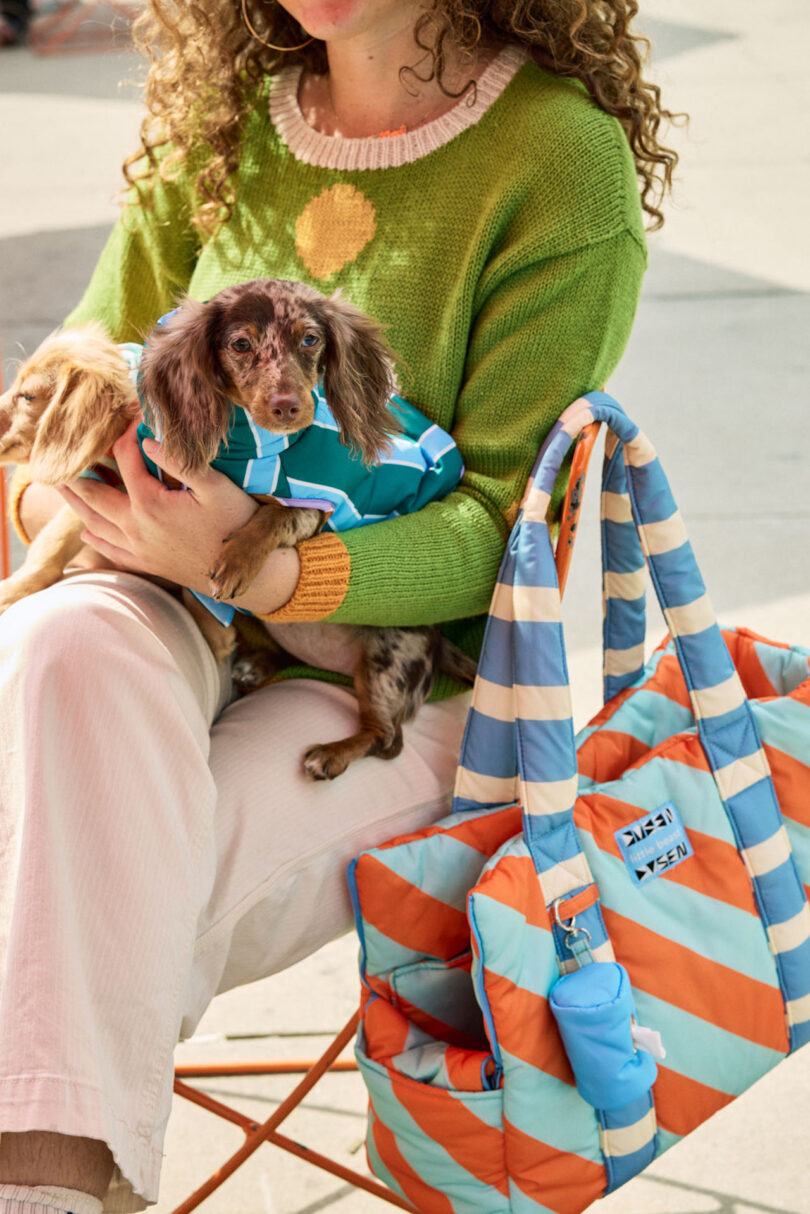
<point>5,543</point>
<point>257,1133</point>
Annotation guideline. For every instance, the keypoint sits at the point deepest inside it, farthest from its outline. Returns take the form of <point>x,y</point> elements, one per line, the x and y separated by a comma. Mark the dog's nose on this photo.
<point>285,406</point>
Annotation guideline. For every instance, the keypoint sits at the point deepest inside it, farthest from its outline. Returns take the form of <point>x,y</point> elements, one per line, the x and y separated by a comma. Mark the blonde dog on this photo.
<point>67,405</point>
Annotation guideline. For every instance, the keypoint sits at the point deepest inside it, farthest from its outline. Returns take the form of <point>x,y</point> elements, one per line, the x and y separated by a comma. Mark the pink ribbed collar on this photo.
<point>336,152</point>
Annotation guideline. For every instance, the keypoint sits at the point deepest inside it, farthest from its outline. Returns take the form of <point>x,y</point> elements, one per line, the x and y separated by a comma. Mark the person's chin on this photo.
<point>331,20</point>
<point>327,19</point>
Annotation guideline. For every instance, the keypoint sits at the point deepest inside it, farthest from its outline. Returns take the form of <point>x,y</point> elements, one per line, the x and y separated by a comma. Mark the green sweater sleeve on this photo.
<point>544,333</point>
<point>145,266</point>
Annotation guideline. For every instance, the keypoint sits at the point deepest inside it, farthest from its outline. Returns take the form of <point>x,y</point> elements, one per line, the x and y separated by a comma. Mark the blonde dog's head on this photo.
<point>68,404</point>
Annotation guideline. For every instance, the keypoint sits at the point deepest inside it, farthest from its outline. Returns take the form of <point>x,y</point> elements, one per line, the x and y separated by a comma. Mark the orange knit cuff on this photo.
<point>19,483</point>
<point>323,582</point>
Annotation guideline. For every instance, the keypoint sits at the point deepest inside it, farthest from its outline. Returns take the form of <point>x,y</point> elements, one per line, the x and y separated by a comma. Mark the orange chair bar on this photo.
<point>256,1134</point>
<point>5,540</point>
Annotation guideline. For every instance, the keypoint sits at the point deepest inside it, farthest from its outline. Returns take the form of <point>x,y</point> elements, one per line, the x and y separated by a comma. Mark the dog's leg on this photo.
<point>221,638</point>
<point>245,551</point>
<point>392,681</point>
<point>56,545</point>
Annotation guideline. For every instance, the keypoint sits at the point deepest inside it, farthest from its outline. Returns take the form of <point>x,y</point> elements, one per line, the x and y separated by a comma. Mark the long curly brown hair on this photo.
<point>207,69</point>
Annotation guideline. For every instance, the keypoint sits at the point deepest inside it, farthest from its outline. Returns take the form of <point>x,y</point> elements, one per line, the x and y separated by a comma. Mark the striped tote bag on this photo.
<point>608,939</point>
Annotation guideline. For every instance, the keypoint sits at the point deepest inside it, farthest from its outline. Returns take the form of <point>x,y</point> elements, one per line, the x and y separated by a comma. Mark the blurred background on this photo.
<point>716,373</point>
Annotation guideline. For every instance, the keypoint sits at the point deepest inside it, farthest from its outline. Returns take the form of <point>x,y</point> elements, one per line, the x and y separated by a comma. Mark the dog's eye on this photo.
<point>29,396</point>
<point>309,340</point>
<point>241,345</point>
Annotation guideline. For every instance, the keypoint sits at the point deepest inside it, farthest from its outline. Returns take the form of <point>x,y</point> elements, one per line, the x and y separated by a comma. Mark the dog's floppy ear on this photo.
<point>92,405</point>
<point>183,384</point>
<point>358,378</point>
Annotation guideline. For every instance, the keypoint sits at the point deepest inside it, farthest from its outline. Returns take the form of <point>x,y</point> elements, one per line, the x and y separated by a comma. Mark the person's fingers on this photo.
<point>197,482</point>
<point>117,556</point>
<point>99,506</point>
<point>139,483</point>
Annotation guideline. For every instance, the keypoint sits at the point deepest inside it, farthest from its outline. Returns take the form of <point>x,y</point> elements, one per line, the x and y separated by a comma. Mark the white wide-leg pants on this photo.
<point>155,850</point>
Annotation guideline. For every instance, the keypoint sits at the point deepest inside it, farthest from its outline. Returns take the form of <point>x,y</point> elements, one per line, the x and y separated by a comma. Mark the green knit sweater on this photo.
<point>502,248</point>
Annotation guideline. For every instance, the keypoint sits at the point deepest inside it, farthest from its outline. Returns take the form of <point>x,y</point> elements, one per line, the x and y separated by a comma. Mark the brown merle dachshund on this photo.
<point>262,345</point>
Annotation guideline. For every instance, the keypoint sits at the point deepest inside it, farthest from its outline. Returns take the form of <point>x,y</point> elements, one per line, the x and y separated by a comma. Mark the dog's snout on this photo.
<point>285,406</point>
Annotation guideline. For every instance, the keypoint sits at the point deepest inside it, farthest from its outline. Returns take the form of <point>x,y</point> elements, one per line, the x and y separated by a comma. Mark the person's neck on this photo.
<point>363,95</point>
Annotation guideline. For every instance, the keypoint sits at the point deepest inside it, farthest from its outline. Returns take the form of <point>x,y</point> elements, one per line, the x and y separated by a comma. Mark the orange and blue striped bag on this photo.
<point>608,939</point>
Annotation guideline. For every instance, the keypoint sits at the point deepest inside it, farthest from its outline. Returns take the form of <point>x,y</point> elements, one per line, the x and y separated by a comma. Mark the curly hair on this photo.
<point>208,65</point>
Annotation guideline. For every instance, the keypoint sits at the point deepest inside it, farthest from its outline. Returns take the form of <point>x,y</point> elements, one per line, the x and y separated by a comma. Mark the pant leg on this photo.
<point>141,873</point>
<point>284,841</point>
<point>107,803</point>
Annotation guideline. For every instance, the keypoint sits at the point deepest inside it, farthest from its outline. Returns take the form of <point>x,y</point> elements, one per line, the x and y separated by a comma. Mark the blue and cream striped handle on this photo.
<point>522,689</point>
<point>522,672</point>
<point>624,578</point>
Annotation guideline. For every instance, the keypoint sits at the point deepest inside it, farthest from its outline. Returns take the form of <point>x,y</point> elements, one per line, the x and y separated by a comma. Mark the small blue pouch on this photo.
<point>593,1007</point>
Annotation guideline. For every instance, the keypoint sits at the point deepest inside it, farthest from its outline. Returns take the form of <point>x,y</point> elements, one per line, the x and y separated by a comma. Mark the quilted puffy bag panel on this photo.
<point>673,859</point>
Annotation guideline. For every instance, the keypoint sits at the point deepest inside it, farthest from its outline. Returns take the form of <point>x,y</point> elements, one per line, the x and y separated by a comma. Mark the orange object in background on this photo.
<point>572,505</point>
<point>5,541</point>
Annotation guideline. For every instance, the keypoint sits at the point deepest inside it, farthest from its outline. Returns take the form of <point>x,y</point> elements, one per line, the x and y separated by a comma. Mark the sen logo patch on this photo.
<point>654,844</point>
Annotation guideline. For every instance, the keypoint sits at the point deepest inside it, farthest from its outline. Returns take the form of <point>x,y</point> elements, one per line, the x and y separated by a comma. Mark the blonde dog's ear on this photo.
<point>91,407</point>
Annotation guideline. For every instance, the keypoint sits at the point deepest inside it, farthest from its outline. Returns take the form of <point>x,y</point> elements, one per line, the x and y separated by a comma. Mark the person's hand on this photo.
<point>169,533</point>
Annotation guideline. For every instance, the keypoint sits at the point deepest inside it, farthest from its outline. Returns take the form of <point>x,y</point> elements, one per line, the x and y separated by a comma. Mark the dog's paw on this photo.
<point>246,673</point>
<point>254,670</point>
<point>326,762</point>
<point>230,575</point>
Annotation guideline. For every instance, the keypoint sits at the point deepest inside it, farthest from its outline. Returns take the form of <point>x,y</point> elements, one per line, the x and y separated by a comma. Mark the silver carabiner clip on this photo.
<point>576,939</point>
<point>562,923</point>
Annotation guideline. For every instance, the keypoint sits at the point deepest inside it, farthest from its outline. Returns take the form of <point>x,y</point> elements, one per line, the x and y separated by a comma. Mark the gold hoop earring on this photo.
<point>270,45</point>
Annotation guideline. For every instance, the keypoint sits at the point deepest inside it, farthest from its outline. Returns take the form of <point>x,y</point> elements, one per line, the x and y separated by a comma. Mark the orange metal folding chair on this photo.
<point>267,1131</point>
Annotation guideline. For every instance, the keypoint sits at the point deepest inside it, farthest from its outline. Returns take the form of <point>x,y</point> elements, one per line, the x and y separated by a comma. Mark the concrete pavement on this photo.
<point>716,373</point>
